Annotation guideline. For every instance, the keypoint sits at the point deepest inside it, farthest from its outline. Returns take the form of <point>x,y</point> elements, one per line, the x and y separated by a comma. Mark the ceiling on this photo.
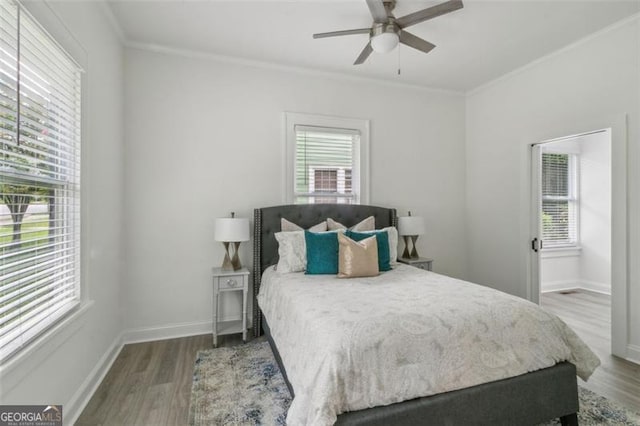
<point>476,44</point>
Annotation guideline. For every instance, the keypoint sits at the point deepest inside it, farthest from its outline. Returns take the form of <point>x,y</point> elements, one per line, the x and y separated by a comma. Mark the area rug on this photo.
<point>242,385</point>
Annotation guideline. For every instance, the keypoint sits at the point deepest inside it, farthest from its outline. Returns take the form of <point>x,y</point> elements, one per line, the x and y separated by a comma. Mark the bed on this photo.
<point>529,398</point>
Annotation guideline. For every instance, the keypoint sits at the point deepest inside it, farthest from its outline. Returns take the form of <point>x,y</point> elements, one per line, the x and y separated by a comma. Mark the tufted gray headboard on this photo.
<point>267,223</point>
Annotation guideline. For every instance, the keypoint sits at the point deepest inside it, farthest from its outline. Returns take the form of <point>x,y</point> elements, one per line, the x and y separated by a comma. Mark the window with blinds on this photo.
<point>39,180</point>
<point>324,165</point>
<point>559,200</point>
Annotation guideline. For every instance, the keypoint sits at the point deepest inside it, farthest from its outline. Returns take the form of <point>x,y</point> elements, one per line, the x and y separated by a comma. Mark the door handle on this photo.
<point>534,245</point>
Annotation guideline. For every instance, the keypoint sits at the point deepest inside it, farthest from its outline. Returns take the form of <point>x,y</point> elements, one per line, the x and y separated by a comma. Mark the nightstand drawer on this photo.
<point>421,262</point>
<point>230,282</point>
<point>426,266</point>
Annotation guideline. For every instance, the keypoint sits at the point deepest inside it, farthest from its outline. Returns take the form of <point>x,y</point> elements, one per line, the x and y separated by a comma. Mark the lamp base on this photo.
<point>231,263</point>
<point>414,253</point>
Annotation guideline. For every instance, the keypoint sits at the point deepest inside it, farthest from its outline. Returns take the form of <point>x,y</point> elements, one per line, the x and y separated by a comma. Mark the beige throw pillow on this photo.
<point>393,243</point>
<point>357,258</point>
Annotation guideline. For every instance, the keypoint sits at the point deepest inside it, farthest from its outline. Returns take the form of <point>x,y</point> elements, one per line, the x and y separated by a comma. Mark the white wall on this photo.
<point>60,369</point>
<point>204,137</point>
<point>589,266</point>
<point>586,87</point>
<point>595,213</point>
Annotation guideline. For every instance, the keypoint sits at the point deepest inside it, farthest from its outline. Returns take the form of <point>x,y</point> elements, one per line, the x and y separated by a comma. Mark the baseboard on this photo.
<point>633,353</point>
<point>169,331</point>
<point>83,395</point>
<point>596,287</point>
<point>79,400</point>
<point>555,286</point>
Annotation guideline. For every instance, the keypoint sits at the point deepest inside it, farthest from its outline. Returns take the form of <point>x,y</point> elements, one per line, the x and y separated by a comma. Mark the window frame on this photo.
<point>361,167</point>
<point>572,199</point>
<point>48,25</point>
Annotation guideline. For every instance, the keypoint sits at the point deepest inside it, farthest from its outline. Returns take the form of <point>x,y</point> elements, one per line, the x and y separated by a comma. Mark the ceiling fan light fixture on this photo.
<point>387,31</point>
<point>384,42</point>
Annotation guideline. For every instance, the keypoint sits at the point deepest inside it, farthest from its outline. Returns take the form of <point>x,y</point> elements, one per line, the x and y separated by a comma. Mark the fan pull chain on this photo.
<point>398,59</point>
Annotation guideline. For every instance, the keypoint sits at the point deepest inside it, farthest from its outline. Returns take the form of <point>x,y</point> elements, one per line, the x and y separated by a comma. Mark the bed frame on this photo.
<point>528,399</point>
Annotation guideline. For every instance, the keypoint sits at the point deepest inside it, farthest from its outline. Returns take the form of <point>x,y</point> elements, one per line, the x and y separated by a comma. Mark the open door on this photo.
<point>619,236</point>
<point>536,222</point>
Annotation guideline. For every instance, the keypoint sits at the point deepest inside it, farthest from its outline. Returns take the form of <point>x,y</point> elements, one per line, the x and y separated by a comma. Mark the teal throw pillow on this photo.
<point>382,237</point>
<point>322,252</point>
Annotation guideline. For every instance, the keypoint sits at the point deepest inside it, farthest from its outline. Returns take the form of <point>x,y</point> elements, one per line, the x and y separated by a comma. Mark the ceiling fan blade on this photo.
<point>416,42</point>
<point>364,54</point>
<point>343,33</point>
<point>429,13</point>
<point>378,11</point>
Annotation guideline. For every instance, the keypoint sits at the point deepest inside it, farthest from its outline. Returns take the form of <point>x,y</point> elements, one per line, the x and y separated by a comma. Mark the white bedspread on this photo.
<point>351,344</point>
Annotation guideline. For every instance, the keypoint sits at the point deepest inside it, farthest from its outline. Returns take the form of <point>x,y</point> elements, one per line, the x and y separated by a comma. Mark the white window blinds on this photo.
<point>559,201</point>
<point>324,165</point>
<point>39,179</point>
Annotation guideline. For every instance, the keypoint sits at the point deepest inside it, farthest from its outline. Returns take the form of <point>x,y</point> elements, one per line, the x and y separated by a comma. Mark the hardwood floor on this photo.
<point>589,315</point>
<point>149,383</point>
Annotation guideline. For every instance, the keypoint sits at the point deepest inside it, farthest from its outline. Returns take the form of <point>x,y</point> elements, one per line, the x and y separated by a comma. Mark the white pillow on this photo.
<point>288,226</point>
<point>393,243</point>
<point>292,251</point>
<point>368,224</point>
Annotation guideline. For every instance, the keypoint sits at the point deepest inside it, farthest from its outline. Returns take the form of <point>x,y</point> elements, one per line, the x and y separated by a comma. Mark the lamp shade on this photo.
<point>410,225</point>
<point>230,229</point>
<point>384,42</point>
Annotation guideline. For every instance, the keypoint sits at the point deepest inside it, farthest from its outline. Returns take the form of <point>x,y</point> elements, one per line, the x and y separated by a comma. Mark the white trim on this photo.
<point>194,54</point>
<point>556,286</point>
<point>633,354</point>
<point>48,18</point>
<point>74,407</point>
<point>168,331</point>
<point>14,370</point>
<point>617,126</point>
<point>596,287</point>
<point>551,253</point>
<point>551,55</point>
<point>89,386</point>
<point>360,172</point>
<point>113,21</point>
<point>565,285</point>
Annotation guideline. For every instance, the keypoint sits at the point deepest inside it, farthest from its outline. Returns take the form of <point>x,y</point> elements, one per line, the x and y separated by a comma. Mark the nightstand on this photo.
<point>224,282</point>
<point>421,262</point>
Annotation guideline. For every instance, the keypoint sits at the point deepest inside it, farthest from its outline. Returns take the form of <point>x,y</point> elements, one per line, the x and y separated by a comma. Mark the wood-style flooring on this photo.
<point>589,315</point>
<point>150,383</point>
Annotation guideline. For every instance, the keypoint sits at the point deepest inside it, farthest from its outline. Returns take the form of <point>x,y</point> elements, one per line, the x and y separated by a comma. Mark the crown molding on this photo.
<point>113,21</point>
<point>173,51</point>
<point>542,59</point>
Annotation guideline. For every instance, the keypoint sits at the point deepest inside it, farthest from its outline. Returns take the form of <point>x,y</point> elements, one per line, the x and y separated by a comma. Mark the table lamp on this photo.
<point>231,230</point>
<point>410,227</point>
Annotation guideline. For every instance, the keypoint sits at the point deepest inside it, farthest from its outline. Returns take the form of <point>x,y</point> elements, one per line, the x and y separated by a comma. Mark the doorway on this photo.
<point>571,190</point>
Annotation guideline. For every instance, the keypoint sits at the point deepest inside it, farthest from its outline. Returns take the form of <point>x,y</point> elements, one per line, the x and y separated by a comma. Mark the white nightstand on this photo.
<point>226,281</point>
<point>421,262</point>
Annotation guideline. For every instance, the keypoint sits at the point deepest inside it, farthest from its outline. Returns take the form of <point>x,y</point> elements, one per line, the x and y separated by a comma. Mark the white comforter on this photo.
<point>351,344</point>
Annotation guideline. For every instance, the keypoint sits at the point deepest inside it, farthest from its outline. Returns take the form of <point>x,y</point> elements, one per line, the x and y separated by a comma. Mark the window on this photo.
<point>559,200</point>
<point>39,180</point>
<point>327,159</point>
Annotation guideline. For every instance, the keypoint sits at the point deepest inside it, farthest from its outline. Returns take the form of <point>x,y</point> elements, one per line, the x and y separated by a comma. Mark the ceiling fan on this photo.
<point>387,30</point>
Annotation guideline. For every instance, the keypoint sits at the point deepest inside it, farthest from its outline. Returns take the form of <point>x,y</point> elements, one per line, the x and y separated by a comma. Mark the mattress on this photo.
<point>352,344</point>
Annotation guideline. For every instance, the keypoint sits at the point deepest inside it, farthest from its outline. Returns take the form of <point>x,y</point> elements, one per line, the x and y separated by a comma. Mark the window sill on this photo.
<point>550,253</point>
<point>15,368</point>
